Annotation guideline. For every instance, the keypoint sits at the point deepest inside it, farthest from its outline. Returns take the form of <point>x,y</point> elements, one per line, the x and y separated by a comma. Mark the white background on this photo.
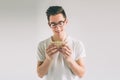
<point>23,24</point>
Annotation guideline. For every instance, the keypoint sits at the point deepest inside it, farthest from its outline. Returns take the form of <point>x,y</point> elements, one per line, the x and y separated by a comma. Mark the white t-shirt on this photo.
<point>58,69</point>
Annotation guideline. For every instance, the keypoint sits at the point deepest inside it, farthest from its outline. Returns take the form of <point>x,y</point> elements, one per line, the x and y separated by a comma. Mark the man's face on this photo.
<point>57,23</point>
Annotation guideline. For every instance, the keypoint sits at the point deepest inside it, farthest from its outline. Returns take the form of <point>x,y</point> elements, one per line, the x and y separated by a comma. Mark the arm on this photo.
<point>77,67</point>
<point>42,67</point>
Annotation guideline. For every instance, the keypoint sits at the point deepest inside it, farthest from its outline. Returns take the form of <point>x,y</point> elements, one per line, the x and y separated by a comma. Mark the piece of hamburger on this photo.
<point>58,43</point>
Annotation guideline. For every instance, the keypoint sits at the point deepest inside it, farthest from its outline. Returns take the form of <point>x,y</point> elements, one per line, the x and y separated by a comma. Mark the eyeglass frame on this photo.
<point>58,23</point>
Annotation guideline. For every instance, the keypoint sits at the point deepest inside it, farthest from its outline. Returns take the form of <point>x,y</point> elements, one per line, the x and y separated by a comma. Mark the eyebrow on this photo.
<point>55,22</point>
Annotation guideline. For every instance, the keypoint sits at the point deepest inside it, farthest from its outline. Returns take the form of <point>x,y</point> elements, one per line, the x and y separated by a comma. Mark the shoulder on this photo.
<point>43,42</point>
<point>75,41</point>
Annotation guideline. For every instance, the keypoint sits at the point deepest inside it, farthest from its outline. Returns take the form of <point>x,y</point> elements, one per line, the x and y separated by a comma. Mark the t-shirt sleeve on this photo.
<point>79,50</point>
<point>41,52</point>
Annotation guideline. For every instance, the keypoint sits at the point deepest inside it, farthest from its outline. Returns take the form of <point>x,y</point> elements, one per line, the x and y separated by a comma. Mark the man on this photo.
<point>60,57</point>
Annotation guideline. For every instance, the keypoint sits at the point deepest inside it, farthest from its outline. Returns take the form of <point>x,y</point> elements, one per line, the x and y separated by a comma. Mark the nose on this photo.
<point>57,27</point>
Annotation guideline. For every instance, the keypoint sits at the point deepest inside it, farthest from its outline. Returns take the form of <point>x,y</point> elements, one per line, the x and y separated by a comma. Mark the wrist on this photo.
<point>48,58</point>
<point>70,62</point>
<point>69,59</point>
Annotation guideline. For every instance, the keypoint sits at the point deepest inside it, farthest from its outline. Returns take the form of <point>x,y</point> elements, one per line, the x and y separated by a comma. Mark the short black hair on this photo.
<point>53,10</point>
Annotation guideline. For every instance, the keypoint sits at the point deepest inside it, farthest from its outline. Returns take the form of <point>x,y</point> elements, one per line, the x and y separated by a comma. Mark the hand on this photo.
<point>51,50</point>
<point>66,51</point>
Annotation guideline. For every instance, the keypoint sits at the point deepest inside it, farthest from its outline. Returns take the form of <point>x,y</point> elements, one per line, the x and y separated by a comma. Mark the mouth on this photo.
<point>57,31</point>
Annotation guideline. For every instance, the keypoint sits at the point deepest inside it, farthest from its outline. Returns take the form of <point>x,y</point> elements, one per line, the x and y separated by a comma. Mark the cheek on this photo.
<point>53,30</point>
<point>63,28</point>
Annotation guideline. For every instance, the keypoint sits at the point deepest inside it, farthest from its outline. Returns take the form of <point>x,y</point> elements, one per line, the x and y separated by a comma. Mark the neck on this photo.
<point>60,37</point>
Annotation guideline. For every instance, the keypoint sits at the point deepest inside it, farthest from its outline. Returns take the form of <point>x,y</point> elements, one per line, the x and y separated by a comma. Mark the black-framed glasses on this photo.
<point>54,24</point>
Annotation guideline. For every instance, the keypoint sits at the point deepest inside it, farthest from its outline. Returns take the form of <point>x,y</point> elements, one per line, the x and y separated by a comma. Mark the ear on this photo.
<point>49,24</point>
<point>66,21</point>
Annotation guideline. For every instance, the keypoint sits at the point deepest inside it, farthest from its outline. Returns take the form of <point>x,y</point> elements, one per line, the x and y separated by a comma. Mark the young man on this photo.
<point>60,57</point>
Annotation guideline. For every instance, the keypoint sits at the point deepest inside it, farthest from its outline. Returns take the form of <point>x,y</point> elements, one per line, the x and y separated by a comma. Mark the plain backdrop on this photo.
<point>23,24</point>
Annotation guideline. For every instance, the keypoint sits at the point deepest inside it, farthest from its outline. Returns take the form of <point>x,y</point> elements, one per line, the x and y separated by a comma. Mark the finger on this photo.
<point>65,45</point>
<point>65,53</point>
<point>65,48</point>
<point>53,52</point>
<point>50,49</point>
<point>50,46</point>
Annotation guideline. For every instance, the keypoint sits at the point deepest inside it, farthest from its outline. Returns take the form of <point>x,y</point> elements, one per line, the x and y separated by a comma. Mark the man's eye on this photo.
<point>52,24</point>
<point>61,22</point>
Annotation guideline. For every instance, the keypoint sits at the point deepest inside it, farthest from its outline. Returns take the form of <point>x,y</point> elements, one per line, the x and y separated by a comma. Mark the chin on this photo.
<point>58,33</point>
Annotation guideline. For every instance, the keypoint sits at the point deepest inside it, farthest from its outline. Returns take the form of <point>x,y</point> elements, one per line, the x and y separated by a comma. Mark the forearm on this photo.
<point>42,69</point>
<point>77,69</point>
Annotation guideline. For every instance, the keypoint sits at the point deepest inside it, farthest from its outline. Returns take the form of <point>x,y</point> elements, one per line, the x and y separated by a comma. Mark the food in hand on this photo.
<point>58,43</point>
